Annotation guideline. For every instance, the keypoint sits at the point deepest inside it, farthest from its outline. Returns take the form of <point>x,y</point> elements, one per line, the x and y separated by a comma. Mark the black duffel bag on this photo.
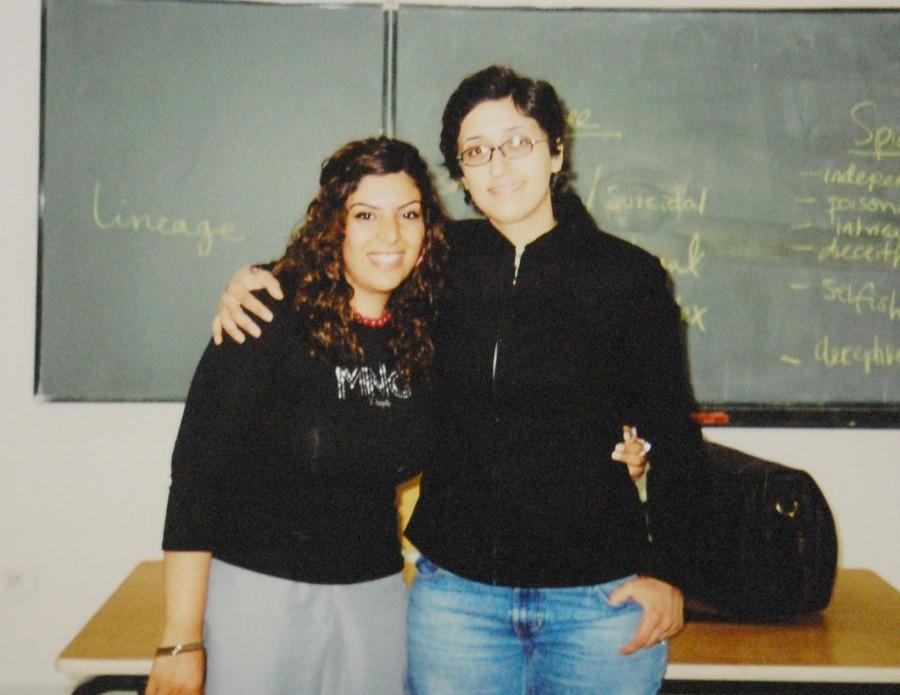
<point>773,542</point>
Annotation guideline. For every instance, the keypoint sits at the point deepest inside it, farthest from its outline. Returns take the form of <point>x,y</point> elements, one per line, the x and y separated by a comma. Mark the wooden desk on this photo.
<point>856,640</point>
<point>852,647</point>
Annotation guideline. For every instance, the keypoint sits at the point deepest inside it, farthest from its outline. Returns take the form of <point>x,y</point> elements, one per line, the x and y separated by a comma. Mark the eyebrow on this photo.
<point>417,201</point>
<point>511,129</point>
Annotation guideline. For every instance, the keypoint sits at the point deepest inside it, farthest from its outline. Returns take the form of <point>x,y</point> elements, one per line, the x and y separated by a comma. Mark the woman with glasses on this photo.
<point>540,572</point>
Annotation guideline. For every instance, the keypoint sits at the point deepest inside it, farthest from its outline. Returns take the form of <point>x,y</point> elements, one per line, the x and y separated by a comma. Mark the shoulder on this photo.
<point>284,332</point>
<point>599,247</point>
<point>616,265</point>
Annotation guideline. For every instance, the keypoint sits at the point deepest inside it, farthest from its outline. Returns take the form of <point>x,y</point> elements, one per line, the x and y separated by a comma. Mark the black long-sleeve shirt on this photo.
<point>540,361</point>
<point>287,465</point>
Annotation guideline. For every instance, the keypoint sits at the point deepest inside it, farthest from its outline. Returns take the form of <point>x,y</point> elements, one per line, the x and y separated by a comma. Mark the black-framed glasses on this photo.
<point>516,147</point>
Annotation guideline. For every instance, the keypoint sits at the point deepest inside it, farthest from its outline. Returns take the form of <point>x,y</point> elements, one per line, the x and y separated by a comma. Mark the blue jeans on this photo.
<point>469,638</point>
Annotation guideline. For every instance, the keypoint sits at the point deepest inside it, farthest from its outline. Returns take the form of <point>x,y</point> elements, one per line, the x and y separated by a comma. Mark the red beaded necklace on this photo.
<point>380,322</point>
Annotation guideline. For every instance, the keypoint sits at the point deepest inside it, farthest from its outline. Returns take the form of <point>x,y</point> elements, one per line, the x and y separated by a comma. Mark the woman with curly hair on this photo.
<point>282,557</point>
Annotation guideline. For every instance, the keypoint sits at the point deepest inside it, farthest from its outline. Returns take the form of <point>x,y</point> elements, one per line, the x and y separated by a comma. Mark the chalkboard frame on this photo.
<point>830,414</point>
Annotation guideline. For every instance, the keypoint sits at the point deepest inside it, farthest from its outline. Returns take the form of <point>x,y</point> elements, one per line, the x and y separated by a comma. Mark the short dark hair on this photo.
<point>313,264</point>
<point>536,99</point>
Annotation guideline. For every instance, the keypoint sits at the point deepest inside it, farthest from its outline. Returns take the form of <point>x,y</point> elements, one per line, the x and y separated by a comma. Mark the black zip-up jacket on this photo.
<point>538,367</point>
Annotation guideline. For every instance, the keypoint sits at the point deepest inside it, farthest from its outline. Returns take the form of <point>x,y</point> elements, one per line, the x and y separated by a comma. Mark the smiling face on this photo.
<point>382,240</point>
<point>514,194</point>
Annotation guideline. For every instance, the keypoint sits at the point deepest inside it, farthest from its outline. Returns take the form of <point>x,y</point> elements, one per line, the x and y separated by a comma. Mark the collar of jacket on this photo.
<point>574,224</point>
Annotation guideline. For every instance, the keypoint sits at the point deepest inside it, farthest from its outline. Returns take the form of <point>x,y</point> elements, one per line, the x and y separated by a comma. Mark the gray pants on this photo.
<point>272,636</point>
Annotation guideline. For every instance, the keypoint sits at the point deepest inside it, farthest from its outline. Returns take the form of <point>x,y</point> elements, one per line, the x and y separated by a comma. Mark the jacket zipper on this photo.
<point>520,250</point>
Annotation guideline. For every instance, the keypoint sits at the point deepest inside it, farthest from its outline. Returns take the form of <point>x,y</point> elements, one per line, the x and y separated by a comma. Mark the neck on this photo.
<point>365,304</point>
<point>523,234</point>
<point>535,225</point>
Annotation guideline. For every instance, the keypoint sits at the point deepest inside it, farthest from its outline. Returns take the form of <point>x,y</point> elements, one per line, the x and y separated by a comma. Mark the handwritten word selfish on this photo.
<point>866,297</point>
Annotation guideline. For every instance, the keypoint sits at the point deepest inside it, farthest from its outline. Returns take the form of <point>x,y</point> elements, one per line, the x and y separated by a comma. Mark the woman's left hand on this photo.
<point>632,451</point>
<point>663,607</point>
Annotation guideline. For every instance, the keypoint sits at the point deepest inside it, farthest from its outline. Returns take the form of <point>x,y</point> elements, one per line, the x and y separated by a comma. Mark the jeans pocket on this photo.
<point>603,591</point>
<point>426,569</point>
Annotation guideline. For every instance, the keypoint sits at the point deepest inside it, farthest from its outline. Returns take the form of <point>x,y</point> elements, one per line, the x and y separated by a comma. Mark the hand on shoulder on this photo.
<point>232,317</point>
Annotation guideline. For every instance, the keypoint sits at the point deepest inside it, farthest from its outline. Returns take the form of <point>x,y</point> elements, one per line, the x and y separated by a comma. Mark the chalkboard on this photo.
<point>180,141</point>
<point>757,153</point>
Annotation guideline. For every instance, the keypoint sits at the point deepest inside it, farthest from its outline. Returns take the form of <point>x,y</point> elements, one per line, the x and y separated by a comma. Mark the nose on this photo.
<point>389,230</point>
<point>497,162</point>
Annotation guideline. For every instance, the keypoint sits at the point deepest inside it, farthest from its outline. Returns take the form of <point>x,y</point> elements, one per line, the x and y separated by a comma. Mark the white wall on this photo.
<point>84,485</point>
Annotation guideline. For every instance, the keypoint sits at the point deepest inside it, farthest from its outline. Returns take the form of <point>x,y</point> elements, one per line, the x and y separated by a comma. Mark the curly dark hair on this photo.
<point>536,99</point>
<point>313,268</point>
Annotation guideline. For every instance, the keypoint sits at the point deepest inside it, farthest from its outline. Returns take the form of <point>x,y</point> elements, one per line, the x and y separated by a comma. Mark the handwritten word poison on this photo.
<point>866,204</point>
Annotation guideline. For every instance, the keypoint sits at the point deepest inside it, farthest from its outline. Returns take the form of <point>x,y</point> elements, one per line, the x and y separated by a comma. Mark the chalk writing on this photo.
<point>886,254</point>
<point>693,315</point>
<point>879,142</point>
<point>877,355</point>
<point>864,298</point>
<point>203,230</point>
<point>582,127</point>
<point>618,199</point>
<point>868,204</point>
<point>853,176</point>
<point>691,266</point>
<point>678,201</point>
<point>858,228</point>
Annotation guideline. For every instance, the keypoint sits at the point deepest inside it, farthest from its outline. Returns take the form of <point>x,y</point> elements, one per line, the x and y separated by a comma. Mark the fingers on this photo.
<point>254,306</point>
<point>268,282</point>
<point>642,638</point>
<point>663,611</point>
<point>632,451</point>
<point>633,455</point>
<point>234,320</point>
<point>238,303</point>
<point>217,330</point>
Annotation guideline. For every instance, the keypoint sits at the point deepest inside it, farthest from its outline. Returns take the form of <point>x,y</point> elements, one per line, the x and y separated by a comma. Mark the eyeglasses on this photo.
<point>516,147</point>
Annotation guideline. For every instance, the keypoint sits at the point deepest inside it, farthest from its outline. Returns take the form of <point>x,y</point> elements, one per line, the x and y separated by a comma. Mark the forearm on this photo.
<point>186,578</point>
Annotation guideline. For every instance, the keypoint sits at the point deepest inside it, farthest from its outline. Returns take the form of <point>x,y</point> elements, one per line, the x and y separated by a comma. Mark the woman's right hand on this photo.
<point>178,674</point>
<point>237,300</point>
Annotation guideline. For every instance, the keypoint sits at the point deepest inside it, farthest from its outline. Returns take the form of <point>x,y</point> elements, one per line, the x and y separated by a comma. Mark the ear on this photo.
<point>556,161</point>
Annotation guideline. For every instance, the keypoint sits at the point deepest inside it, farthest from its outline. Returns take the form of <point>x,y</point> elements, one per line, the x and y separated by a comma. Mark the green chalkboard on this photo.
<point>180,140</point>
<point>757,153</point>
